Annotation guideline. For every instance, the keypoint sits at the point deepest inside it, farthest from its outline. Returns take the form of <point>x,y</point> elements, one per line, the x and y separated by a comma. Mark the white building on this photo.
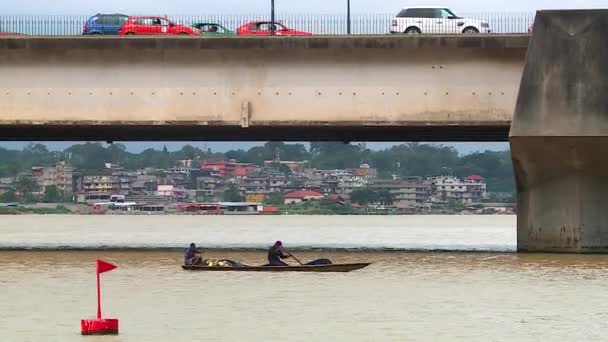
<point>445,189</point>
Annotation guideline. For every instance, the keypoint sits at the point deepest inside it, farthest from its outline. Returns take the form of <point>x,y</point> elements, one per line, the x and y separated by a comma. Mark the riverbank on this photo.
<point>303,209</point>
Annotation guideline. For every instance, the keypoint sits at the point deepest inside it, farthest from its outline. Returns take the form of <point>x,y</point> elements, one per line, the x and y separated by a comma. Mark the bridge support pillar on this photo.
<point>559,135</point>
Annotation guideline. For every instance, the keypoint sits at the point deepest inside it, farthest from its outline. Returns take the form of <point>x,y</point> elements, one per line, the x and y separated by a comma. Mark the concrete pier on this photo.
<point>559,135</point>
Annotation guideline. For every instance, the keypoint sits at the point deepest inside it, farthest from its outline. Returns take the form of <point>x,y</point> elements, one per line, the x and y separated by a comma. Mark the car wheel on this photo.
<point>470,30</point>
<point>129,33</point>
<point>412,30</point>
<point>183,33</point>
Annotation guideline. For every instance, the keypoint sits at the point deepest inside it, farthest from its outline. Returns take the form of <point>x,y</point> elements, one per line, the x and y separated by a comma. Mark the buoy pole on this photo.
<point>98,297</point>
<point>99,325</point>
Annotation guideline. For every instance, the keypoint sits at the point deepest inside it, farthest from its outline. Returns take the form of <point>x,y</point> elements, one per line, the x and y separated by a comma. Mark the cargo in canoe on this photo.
<point>303,268</point>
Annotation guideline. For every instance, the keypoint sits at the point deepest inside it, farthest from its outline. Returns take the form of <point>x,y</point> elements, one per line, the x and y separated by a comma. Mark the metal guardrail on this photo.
<point>318,24</point>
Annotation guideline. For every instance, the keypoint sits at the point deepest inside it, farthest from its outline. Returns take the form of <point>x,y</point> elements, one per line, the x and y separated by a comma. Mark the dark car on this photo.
<point>104,24</point>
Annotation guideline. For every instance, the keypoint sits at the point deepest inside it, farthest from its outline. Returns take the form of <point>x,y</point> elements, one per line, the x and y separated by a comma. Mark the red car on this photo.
<point>151,25</point>
<point>265,28</point>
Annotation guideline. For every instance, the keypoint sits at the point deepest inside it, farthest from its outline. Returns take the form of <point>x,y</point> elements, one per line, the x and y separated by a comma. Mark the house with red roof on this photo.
<point>474,178</point>
<point>300,196</point>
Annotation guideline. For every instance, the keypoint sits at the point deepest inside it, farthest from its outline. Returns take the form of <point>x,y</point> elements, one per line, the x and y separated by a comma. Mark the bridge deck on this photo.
<point>432,88</point>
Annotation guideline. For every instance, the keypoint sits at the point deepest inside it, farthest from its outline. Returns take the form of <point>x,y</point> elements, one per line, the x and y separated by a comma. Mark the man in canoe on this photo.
<point>192,256</point>
<point>276,253</point>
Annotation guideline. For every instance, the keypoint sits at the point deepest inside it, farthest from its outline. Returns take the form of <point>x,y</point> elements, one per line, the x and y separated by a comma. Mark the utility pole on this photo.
<point>348,28</point>
<point>272,17</point>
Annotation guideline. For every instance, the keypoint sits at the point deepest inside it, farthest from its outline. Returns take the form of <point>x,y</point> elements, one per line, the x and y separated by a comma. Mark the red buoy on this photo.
<point>100,326</point>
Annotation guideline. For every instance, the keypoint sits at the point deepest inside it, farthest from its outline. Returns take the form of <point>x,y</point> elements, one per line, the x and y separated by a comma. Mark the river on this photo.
<point>403,296</point>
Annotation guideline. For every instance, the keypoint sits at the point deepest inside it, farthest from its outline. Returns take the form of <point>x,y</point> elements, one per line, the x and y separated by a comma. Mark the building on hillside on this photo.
<point>114,181</point>
<point>97,182</point>
<point>210,188</point>
<point>60,175</point>
<point>302,196</point>
<point>255,197</point>
<point>44,176</point>
<point>143,183</point>
<point>341,181</point>
<point>229,168</point>
<point>408,193</point>
<point>121,182</point>
<point>294,166</point>
<point>365,171</point>
<point>185,163</point>
<point>446,189</point>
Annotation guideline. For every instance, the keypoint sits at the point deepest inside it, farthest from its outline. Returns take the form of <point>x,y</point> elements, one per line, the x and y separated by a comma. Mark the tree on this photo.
<point>8,197</point>
<point>25,185</point>
<point>364,196</point>
<point>275,198</point>
<point>385,197</point>
<point>233,194</point>
<point>51,194</point>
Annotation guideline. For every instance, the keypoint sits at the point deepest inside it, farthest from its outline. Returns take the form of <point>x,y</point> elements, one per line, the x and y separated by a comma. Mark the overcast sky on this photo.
<point>199,7</point>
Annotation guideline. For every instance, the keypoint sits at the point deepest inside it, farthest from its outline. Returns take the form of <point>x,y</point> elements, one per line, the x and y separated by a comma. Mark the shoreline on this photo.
<point>253,249</point>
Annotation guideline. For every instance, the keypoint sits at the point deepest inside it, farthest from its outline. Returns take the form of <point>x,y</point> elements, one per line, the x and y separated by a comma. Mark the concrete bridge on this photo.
<point>347,88</point>
<point>373,88</point>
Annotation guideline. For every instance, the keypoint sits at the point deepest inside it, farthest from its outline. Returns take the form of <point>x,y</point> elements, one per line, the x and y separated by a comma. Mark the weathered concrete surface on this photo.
<point>331,88</point>
<point>559,136</point>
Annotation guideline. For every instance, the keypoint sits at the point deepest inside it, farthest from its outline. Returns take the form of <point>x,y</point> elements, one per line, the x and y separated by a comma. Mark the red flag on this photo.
<point>103,266</point>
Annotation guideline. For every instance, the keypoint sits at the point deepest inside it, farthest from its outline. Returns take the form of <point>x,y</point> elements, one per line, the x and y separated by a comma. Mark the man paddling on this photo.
<point>276,253</point>
<point>192,256</point>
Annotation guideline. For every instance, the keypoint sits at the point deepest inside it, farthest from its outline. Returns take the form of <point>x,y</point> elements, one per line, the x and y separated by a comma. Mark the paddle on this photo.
<point>296,259</point>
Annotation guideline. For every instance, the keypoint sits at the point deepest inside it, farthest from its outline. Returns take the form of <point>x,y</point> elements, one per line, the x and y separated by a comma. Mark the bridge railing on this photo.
<point>317,24</point>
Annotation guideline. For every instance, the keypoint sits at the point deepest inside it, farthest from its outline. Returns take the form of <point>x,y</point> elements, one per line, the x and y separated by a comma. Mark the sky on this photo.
<point>40,7</point>
<point>200,7</point>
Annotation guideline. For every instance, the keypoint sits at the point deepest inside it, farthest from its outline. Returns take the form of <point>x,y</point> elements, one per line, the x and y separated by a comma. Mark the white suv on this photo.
<point>435,20</point>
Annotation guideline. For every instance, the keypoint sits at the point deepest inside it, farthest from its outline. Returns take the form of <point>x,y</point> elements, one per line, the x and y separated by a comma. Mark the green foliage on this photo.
<point>25,185</point>
<point>322,207</point>
<point>51,194</point>
<point>8,197</point>
<point>259,154</point>
<point>233,194</point>
<point>275,198</point>
<point>366,196</point>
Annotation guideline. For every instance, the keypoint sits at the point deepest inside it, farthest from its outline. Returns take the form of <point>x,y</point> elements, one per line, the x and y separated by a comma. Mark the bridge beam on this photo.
<point>276,88</point>
<point>559,135</point>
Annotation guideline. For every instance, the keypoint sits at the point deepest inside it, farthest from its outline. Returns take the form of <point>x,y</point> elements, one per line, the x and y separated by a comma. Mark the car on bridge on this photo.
<point>266,28</point>
<point>152,25</point>
<point>435,20</point>
<point>213,29</point>
<point>11,34</point>
<point>104,24</point>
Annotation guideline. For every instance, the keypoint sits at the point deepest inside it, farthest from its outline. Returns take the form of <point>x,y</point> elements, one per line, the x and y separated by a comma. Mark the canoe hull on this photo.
<point>305,268</point>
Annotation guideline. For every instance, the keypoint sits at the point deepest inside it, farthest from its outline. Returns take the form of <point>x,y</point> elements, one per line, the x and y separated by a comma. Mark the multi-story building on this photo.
<point>448,188</point>
<point>97,182</point>
<point>65,179</point>
<point>210,188</point>
<point>44,176</point>
<point>114,181</point>
<point>408,193</point>
<point>61,176</point>
<point>229,168</point>
<point>341,181</point>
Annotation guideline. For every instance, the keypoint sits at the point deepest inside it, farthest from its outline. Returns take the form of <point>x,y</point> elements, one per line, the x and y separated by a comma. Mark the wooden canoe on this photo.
<point>304,268</point>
